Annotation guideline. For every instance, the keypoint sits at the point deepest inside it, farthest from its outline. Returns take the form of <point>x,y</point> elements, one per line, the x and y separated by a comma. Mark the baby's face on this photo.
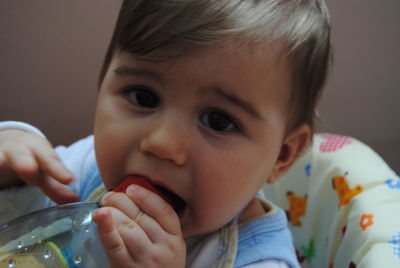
<point>208,127</point>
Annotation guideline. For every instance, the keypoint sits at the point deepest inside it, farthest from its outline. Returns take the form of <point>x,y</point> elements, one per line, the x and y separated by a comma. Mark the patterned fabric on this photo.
<point>342,201</point>
<point>396,244</point>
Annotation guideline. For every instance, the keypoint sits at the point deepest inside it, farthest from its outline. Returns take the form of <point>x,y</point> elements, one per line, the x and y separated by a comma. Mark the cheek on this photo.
<point>105,156</point>
<point>242,167</point>
<point>110,149</point>
<point>235,180</point>
<point>109,139</point>
<point>224,188</point>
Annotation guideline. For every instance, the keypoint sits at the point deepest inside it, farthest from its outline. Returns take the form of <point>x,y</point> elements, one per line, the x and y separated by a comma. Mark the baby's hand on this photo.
<point>27,157</point>
<point>139,229</point>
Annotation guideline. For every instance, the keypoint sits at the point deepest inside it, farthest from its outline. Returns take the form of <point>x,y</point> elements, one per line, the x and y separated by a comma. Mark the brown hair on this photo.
<point>174,26</point>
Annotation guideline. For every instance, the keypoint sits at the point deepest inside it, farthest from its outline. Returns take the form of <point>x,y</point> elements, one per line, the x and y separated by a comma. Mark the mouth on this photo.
<point>170,197</point>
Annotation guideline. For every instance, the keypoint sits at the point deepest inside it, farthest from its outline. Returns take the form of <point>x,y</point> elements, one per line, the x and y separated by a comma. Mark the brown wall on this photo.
<point>51,52</point>
<point>363,93</point>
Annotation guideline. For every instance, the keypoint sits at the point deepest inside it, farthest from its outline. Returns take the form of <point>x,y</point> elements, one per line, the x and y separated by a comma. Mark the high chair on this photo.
<point>343,205</point>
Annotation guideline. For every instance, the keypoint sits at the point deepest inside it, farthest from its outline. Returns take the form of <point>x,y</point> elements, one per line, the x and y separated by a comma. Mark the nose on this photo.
<point>167,141</point>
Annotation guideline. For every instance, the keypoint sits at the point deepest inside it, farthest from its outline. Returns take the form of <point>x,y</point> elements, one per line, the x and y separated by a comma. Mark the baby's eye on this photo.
<point>219,121</point>
<point>142,96</point>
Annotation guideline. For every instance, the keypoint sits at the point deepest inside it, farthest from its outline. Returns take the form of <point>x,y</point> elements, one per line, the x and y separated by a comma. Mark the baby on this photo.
<point>205,100</point>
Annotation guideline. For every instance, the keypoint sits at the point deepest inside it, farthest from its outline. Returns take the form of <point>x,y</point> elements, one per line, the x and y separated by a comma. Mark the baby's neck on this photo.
<point>253,210</point>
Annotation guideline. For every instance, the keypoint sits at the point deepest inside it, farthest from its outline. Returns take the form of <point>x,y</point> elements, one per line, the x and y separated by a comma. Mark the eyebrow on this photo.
<point>132,71</point>
<point>246,106</point>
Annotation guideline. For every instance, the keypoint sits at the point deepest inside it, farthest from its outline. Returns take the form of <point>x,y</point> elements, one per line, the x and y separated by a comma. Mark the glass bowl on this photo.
<point>59,236</point>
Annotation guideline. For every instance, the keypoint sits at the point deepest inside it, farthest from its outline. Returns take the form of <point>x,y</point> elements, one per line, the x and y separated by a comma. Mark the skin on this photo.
<point>212,130</point>
<point>31,159</point>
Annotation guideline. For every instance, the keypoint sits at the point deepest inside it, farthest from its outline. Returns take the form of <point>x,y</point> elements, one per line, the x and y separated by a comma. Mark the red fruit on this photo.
<point>141,182</point>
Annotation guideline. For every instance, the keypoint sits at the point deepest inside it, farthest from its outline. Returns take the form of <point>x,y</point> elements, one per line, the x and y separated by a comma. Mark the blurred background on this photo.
<point>51,52</point>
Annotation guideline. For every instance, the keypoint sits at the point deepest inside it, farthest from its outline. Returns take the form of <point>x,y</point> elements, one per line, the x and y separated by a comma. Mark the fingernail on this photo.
<point>131,189</point>
<point>106,197</point>
<point>94,213</point>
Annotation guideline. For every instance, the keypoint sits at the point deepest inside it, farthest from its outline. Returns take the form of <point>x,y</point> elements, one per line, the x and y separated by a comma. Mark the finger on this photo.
<point>133,238</point>
<point>21,160</point>
<point>111,239</point>
<point>122,202</point>
<point>6,173</point>
<point>151,227</point>
<point>51,165</point>
<point>125,213</point>
<point>23,163</point>
<point>154,206</point>
<point>57,191</point>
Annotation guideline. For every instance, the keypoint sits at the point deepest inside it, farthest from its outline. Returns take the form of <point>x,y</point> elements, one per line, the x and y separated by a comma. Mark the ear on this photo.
<point>292,147</point>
